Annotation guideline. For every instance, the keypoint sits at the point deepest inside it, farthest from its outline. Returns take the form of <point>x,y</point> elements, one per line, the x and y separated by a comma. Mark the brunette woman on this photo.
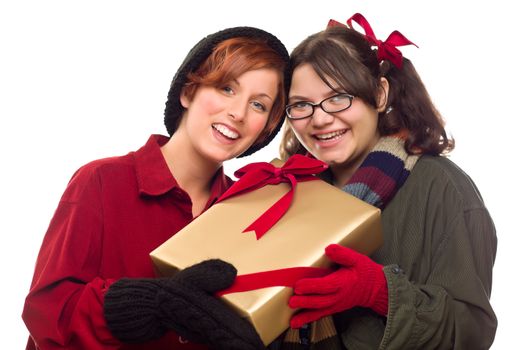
<point>357,104</point>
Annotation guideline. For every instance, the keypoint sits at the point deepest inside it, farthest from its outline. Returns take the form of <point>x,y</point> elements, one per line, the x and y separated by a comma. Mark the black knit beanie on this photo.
<point>198,54</point>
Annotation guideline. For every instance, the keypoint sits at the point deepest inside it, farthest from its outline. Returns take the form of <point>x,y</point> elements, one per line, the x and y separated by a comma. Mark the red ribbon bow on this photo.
<point>386,50</point>
<point>256,175</point>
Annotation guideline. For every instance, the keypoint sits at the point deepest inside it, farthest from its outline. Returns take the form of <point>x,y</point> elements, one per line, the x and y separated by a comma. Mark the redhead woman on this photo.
<point>94,285</point>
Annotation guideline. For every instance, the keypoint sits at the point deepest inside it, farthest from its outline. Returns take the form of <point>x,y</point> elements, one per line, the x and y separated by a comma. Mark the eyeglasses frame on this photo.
<point>320,105</point>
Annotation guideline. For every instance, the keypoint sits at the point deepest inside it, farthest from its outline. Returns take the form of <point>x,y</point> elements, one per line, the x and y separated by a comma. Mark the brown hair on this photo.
<point>233,57</point>
<point>345,56</point>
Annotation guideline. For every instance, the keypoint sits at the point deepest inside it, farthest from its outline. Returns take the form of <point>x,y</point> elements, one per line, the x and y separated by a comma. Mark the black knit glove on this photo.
<point>139,310</point>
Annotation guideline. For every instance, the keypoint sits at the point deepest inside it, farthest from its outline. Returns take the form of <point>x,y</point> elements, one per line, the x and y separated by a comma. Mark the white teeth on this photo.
<point>329,135</point>
<point>225,131</point>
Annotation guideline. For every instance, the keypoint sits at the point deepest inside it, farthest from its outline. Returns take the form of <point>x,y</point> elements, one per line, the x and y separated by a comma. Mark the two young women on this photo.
<point>354,103</point>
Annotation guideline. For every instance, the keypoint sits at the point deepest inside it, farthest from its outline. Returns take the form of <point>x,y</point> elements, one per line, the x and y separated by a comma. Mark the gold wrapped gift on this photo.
<point>319,215</point>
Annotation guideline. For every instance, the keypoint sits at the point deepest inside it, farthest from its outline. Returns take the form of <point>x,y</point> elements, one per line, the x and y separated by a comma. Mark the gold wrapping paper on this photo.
<point>319,215</point>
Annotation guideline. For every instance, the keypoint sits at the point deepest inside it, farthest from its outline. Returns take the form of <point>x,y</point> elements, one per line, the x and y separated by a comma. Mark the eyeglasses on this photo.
<point>332,104</point>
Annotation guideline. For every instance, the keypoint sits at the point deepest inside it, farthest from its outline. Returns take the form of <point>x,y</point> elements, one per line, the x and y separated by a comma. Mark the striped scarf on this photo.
<point>376,181</point>
<point>382,173</point>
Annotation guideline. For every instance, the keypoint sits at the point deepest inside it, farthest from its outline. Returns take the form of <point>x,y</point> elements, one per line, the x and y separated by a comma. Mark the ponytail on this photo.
<point>411,109</point>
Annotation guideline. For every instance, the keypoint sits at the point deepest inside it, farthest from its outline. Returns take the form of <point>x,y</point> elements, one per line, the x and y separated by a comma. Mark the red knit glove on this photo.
<point>359,281</point>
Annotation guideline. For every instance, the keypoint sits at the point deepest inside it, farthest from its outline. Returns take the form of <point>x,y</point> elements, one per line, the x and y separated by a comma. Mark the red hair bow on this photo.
<point>386,50</point>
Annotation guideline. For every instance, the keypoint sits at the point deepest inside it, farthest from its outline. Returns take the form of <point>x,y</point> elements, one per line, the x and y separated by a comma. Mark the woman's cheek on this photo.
<point>299,129</point>
<point>213,103</point>
<point>257,127</point>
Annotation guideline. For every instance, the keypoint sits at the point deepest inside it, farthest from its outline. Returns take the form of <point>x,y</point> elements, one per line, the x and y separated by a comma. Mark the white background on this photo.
<point>81,80</point>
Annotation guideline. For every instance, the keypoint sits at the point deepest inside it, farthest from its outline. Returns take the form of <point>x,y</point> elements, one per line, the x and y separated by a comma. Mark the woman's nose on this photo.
<point>237,109</point>
<point>321,118</point>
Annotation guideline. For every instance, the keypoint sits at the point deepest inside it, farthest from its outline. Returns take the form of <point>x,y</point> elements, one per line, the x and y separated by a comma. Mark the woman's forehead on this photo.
<point>307,82</point>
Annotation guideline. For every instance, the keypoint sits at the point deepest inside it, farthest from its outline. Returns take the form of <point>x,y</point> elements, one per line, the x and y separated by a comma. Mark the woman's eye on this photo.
<point>259,106</point>
<point>300,105</point>
<point>337,101</point>
<point>227,90</point>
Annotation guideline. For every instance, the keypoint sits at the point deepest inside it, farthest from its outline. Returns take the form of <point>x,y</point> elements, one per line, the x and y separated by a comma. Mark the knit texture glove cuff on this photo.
<point>131,309</point>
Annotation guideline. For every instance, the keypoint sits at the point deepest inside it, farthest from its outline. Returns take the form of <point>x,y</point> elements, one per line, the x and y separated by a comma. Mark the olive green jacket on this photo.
<point>439,250</point>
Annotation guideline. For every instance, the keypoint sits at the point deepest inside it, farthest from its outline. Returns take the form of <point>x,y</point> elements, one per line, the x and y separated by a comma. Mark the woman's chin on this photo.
<point>331,159</point>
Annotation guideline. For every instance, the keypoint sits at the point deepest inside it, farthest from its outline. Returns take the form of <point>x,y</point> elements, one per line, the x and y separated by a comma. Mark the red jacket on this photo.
<point>114,212</point>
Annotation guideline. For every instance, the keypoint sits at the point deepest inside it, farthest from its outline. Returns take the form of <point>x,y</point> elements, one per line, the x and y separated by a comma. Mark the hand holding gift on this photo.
<point>139,310</point>
<point>294,216</point>
<point>359,281</point>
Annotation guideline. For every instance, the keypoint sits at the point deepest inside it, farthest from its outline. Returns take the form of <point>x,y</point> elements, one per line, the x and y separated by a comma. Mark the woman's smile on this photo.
<point>225,131</point>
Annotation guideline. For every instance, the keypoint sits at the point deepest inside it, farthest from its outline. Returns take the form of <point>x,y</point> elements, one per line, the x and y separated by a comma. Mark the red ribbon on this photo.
<point>297,168</point>
<point>386,50</point>
<point>275,278</point>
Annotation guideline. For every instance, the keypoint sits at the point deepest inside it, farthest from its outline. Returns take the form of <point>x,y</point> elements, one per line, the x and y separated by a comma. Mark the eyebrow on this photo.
<point>303,98</point>
<point>258,95</point>
<point>297,97</point>
<point>265,95</point>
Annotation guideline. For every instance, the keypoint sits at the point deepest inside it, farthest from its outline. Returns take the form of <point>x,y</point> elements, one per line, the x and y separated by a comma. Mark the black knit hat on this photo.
<point>198,54</point>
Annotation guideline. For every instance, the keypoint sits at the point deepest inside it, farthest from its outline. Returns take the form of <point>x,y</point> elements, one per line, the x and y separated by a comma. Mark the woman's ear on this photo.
<point>382,94</point>
<point>184,99</point>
